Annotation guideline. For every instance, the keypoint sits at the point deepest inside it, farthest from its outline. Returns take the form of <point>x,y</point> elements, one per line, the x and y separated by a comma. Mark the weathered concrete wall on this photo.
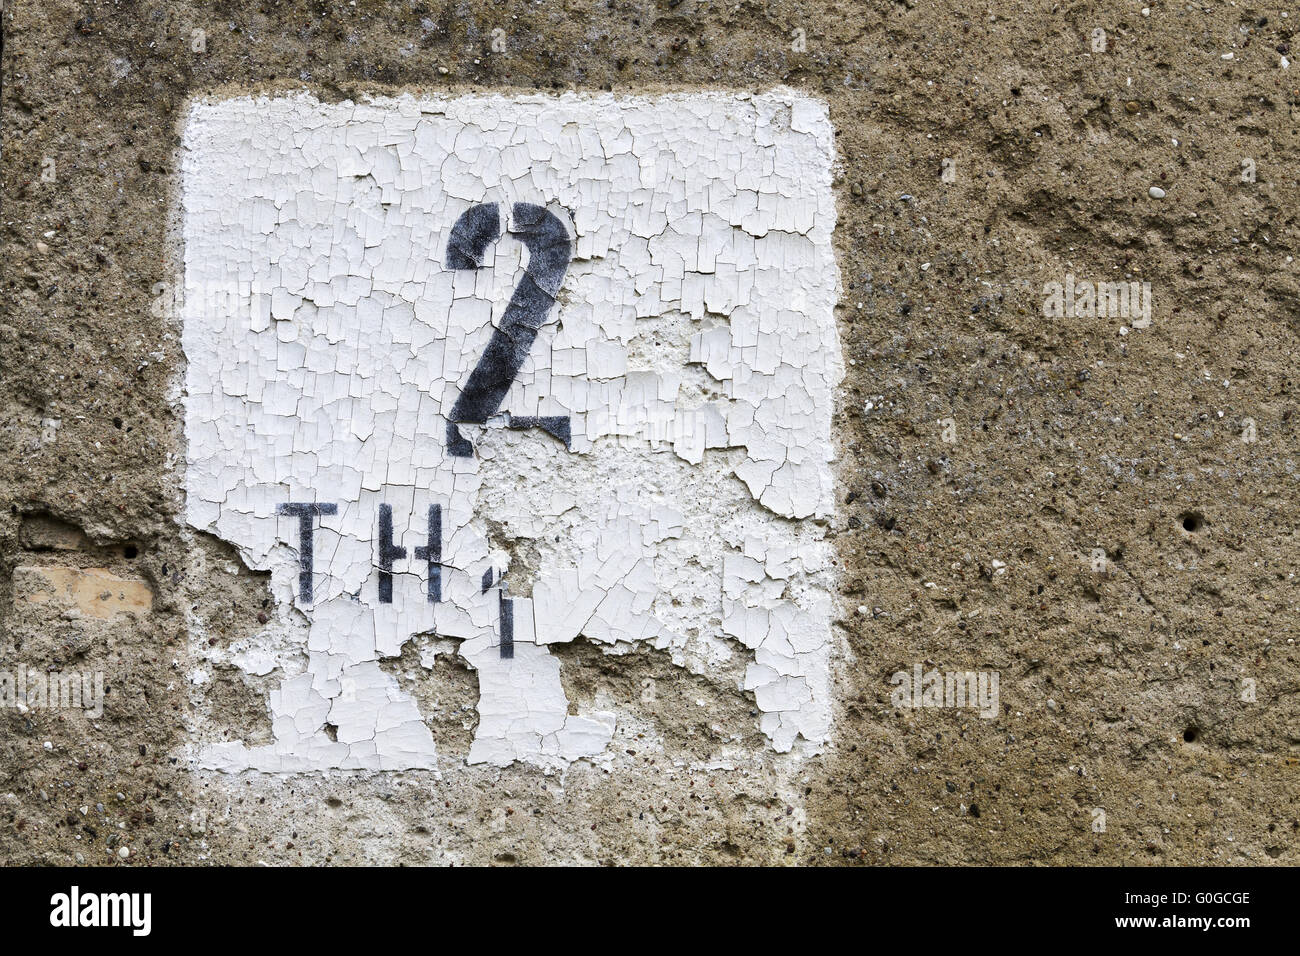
<point>1096,511</point>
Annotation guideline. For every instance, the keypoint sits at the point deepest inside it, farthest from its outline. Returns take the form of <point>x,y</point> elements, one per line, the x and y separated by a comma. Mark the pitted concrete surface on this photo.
<point>1058,540</point>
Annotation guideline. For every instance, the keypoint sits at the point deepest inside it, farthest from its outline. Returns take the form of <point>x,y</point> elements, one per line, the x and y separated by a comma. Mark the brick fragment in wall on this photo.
<point>85,592</point>
<point>655,277</point>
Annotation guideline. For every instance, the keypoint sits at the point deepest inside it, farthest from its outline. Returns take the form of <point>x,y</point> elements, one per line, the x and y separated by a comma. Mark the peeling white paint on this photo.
<point>693,350</point>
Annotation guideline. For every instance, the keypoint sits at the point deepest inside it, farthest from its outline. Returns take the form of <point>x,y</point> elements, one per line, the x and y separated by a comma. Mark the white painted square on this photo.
<point>692,348</point>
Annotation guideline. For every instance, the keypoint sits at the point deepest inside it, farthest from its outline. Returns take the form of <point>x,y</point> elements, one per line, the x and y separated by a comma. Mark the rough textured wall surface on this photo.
<point>1094,505</point>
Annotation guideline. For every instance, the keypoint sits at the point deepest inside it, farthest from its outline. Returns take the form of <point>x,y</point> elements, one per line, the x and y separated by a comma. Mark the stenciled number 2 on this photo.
<point>549,253</point>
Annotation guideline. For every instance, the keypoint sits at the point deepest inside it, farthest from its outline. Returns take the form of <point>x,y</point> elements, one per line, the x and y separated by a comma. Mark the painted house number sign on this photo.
<point>479,375</point>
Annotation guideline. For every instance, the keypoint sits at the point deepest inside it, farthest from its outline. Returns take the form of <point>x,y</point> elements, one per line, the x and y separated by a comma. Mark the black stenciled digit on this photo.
<point>549,253</point>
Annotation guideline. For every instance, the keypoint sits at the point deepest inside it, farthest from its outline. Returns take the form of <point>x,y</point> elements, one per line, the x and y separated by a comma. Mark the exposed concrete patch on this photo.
<point>694,717</point>
<point>444,687</point>
<point>233,706</point>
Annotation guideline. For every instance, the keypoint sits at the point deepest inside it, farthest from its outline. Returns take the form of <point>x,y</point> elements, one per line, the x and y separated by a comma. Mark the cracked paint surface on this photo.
<point>688,355</point>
